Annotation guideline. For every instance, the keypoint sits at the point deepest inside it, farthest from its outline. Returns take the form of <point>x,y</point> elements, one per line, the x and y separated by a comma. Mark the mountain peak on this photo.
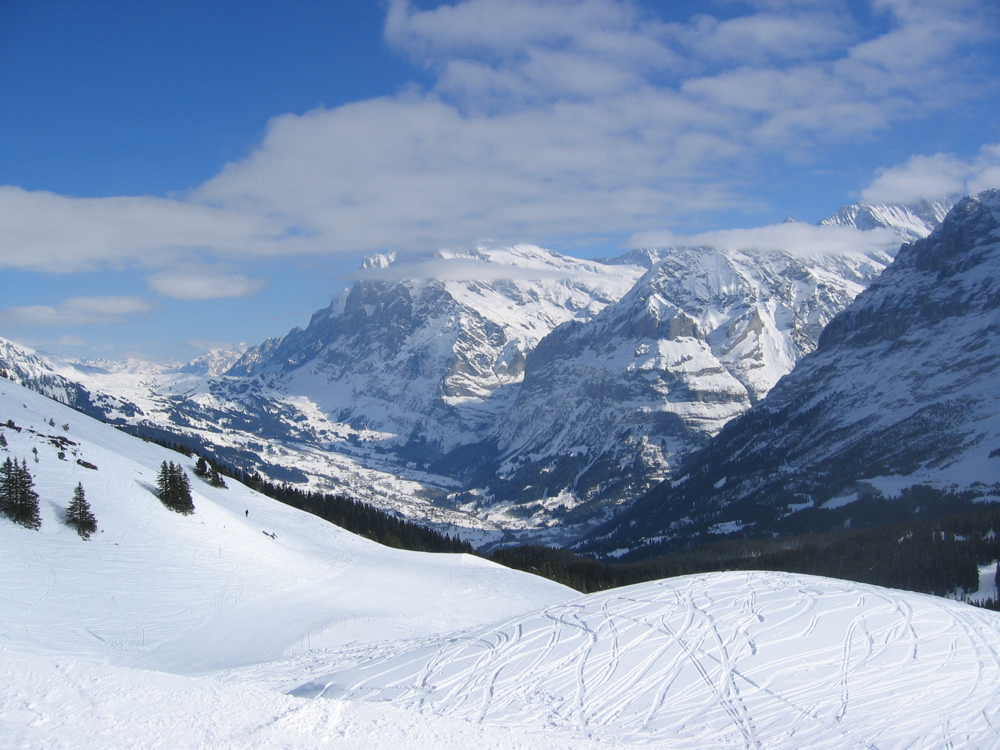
<point>910,222</point>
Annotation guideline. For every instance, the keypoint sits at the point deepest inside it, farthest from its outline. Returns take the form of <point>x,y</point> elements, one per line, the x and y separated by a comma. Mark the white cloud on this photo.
<point>792,237</point>
<point>48,232</point>
<point>549,119</point>
<point>77,311</point>
<point>202,283</point>
<point>937,176</point>
<point>69,340</point>
<point>210,346</point>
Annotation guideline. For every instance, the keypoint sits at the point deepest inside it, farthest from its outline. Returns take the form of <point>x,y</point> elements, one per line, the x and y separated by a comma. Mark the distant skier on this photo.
<point>247,512</point>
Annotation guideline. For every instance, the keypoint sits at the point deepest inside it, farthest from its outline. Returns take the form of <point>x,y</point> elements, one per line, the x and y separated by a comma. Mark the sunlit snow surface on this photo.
<point>720,660</point>
<point>170,631</point>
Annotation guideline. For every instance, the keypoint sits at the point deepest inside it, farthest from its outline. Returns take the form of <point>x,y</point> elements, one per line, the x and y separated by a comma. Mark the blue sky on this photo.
<point>180,175</point>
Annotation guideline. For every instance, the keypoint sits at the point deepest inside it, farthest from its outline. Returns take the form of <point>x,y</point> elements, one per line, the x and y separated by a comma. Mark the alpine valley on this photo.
<point>514,394</point>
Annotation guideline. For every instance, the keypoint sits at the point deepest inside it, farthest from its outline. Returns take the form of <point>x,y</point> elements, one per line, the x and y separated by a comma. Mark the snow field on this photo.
<point>61,704</point>
<point>723,660</point>
<point>200,631</point>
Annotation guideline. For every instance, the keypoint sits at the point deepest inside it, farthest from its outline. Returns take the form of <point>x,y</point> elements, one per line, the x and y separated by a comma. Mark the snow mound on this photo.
<point>719,660</point>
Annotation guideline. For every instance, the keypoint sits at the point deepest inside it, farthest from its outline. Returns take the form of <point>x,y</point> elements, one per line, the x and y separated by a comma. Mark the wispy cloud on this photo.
<point>793,237</point>
<point>458,269</point>
<point>208,346</point>
<point>77,311</point>
<point>202,283</point>
<point>48,232</point>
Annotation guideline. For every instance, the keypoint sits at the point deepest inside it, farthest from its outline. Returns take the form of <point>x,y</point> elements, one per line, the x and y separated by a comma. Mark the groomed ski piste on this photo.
<point>248,624</point>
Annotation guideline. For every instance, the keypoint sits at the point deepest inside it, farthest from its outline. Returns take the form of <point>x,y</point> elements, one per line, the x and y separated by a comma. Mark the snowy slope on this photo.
<point>723,660</point>
<point>201,631</point>
<point>189,593</point>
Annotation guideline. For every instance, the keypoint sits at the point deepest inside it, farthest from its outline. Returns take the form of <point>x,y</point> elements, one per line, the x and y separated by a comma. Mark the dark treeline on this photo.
<point>934,557</point>
<point>354,516</point>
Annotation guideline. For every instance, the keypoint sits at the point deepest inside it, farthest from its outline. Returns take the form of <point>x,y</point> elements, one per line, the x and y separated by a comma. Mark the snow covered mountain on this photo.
<point>245,425</point>
<point>500,388</point>
<point>425,363</point>
<point>609,404</point>
<point>900,393</point>
<point>911,222</point>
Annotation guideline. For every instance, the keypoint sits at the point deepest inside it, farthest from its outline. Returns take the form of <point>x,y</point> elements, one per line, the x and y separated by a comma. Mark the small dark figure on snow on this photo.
<point>248,513</point>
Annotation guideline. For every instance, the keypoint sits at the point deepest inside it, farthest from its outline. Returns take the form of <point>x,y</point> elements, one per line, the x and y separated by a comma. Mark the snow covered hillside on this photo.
<point>213,589</point>
<point>724,660</point>
<point>222,628</point>
<point>242,579</point>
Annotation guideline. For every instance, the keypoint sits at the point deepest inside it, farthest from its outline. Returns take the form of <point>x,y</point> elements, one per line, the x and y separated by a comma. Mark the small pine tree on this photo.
<point>18,499</point>
<point>3,440</point>
<point>216,479</point>
<point>79,515</point>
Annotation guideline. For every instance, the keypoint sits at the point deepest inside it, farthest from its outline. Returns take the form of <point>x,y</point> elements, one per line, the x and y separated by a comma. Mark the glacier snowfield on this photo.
<point>202,631</point>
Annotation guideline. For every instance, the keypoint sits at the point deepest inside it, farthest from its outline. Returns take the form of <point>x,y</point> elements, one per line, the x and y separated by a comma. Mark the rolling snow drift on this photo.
<point>756,660</point>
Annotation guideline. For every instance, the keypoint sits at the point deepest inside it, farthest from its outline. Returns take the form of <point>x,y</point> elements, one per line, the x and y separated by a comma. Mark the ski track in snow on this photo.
<point>747,660</point>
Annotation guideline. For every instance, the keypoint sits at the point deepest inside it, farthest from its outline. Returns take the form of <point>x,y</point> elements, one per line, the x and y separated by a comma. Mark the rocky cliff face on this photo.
<point>607,406</point>
<point>427,364</point>
<point>900,393</point>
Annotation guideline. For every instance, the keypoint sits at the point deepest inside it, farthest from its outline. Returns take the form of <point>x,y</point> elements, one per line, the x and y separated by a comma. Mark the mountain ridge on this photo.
<point>899,394</point>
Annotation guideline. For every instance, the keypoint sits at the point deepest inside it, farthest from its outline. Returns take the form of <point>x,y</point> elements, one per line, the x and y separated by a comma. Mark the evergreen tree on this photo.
<point>18,499</point>
<point>174,488</point>
<point>79,515</point>
<point>209,472</point>
<point>216,479</point>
